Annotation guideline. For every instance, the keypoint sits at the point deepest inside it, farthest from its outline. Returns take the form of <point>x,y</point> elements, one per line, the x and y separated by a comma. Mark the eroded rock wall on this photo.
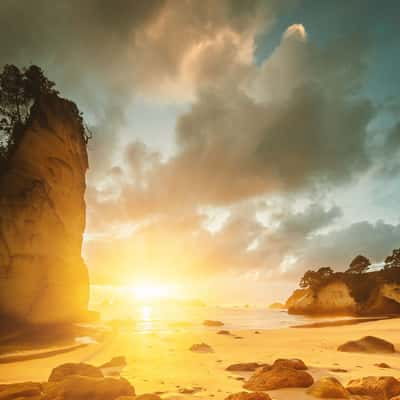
<point>334,298</point>
<point>43,278</point>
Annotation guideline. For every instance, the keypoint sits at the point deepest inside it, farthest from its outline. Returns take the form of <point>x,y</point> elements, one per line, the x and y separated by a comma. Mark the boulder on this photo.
<point>293,363</point>
<point>276,306</point>
<point>248,396</point>
<point>20,390</point>
<point>328,388</point>
<point>279,378</point>
<point>382,365</point>
<point>126,398</point>
<point>246,367</point>
<point>62,371</point>
<point>368,344</point>
<point>119,361</point>
<point>209,322</point>
<point>379,388</point>
<point>201,348</point>
<point>43,279</point>
<point>148,396</point>
<point>76,387</point>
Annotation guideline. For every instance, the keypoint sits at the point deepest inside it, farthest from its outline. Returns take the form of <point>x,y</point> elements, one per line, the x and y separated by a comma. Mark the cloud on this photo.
<point>294,123</point>
<point>302,129</point>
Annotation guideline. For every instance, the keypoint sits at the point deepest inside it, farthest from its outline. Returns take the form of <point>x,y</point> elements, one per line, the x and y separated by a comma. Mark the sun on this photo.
<point>152,291</point>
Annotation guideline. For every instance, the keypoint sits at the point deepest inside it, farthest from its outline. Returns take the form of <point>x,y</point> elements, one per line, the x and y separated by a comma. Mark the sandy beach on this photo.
<point>162,362</point>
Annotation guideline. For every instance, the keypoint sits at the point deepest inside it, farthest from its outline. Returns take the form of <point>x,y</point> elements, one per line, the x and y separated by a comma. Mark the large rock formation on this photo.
<point>385,299</point>
<point>334,298</point>
<point>43,278</point>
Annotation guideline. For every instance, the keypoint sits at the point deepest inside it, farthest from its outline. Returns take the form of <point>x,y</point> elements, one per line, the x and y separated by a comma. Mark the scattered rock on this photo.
<point>223,332</point>
<point>279,378</point>
<point>368,344</point>
<point>126,398</point>
<point>20,390</point>
<point>209,322</point>
<point>201,348</point>
<point>148,396</point>
<point>188,391</point>
<point>338,370</point>
<point>328,388</point>
<point>248,396</point>
<point>379,388</point>
<point>245,367</point>
<point>382,365</point>
<point>257,332</point>
<point>119,361</point>
<point>293,363</point>
<point>83,388</point>
<point>263,368</point>
<point>81,369</point>
<point>238,337</point>
<point>276,306</point>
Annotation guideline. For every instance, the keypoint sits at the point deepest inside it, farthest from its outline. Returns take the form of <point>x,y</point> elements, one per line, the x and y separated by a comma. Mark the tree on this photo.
<point>36,83</point>
<point>325,272</point>
<point>393,261</point>
<point>359,265</point>
<point>12,98</point>
<point>315,279</point>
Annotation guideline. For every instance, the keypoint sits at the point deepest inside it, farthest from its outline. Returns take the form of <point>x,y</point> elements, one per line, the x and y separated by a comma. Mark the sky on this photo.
<point>237,143</point>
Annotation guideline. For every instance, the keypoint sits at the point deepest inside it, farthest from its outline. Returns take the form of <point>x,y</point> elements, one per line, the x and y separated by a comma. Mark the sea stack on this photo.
<point>43,279</point>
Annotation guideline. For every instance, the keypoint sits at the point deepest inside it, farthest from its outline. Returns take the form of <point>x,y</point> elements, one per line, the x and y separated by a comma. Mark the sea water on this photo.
<point>172,314</point>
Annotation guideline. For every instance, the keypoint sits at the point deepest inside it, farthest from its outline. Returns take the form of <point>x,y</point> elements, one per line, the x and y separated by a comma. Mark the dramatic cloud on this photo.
<point>292,123</point>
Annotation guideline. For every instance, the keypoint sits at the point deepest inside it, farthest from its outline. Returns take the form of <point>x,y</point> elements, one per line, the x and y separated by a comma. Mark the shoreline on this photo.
<point>343,322</point>
<point>160,362</point>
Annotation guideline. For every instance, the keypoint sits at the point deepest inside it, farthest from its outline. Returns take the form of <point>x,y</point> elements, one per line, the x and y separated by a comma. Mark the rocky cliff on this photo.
<point>337,298</point>
<point>334,298</point>
<point>43,278</point>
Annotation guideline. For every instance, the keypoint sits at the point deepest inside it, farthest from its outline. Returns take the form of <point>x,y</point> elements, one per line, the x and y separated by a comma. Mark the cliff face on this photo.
<point>334,298</point>
<point>384,300</point>
<point>43,278</point>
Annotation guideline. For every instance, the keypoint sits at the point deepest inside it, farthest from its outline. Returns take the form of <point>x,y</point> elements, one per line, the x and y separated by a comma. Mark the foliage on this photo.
<point>360,282</point>
<point>359,265</point>
<point>393,261</point>
<point>19,90</point>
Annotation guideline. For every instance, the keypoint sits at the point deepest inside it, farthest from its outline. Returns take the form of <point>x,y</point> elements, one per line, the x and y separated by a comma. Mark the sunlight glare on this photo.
<point>152,291</point>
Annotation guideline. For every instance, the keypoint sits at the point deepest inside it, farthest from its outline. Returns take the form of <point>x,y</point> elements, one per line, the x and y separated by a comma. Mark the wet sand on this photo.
<point>162,362</point>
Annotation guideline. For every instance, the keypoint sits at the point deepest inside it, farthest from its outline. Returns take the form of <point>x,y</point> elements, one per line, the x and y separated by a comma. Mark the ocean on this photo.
<point>167,315</point>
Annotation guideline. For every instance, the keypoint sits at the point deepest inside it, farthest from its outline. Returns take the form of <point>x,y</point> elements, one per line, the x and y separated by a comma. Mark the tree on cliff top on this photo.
<point>19,90</point>
<point>359,265</point>
<point>393,261</point>
<point>315,279</point>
